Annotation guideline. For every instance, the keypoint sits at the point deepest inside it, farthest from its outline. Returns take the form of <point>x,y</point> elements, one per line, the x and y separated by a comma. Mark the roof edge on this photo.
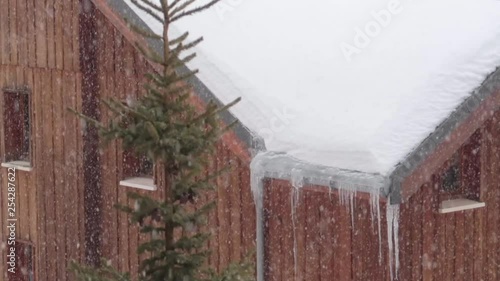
<point>252,141</point>
<point>300,173</point>
<point>430,144</point>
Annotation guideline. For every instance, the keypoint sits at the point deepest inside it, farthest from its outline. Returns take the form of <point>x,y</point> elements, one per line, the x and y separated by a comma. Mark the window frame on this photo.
<point>20,246</point>
<point>140,181</point>
<point>467,160</point>
<point>20,164</point>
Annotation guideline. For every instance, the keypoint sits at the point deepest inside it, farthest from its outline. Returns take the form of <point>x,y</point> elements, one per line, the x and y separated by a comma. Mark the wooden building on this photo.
<point>56,55</point>
<point>437,217</point>
<point>443,223</point>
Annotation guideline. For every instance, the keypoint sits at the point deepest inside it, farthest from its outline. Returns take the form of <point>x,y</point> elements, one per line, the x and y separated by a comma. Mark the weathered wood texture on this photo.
<point>39,48</point>
<point>311,233</point>
<point>317,239</point>
<point>312,236</point>
<point>460,245</point>
<point>40,34</point>
<point>121,71</point>
<point>50,206</point>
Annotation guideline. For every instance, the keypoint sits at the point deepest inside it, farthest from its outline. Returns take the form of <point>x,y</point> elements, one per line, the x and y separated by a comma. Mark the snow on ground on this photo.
<point>348,84</point>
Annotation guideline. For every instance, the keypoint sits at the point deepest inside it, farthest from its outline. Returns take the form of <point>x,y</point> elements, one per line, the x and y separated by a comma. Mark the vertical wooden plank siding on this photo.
<point>58,33</point>
<point>14,35</point>
<point>3,233</point>
<point>119,73</point>
<point>22,32</point>
<point>287,233</point>
<point>77,8</point>
<point>49,15</point>
<point>272,234</point>
<point>327,222</point>
<point>4,34</point>
<point>248,223</point>
<point>32,55</point>
<point>222,209</point>
<point>311,240</point>
<point>314,240</point>
<point>67,30</point>
<point>59,172</point>
<point>3,179</point>
<point>428,223</point>
<point>433,246</point>
<point>41,33</point>
<point>90,107</point>
<point>31,31</point>
<point>233,222</point>
<point>32,50</point>
<point>488,145</point>
<point>495,181</point>
<point>235,211</point>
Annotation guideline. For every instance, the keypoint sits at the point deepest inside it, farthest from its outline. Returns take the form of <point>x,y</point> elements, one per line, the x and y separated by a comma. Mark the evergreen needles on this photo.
<point>180,140</point>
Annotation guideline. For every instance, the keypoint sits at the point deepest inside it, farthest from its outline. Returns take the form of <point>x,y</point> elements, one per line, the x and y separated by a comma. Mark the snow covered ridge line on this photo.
<point>373,28</point>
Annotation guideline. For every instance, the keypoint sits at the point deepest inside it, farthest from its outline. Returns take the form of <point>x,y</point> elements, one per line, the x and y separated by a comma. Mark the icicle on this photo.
<point>393,239</point>
<point>346,198</point>
<point>395,228</point>
<point>282,166</point>
<point>296,178</point>
<point>345,194</point>
<point>330,188</point>
<point>372,212</point>
<point>351,200</point>
<point>375,215</point>
<point>389,217</point>
<point>297,181</point>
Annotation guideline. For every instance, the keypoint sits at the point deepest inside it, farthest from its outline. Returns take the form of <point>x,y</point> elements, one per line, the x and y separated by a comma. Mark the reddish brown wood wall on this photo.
<point>328,246</point>
<point>50,196</point>
<point>456,246</point>
<point>320,238</point>
<point>39,48</point>
<point>121,75</point>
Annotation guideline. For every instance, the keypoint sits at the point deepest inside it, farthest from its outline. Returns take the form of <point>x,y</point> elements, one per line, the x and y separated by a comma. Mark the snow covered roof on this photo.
<point>355,86</point>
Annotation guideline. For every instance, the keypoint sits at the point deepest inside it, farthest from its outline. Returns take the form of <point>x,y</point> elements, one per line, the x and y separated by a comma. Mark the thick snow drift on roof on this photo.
<point>348,84</point>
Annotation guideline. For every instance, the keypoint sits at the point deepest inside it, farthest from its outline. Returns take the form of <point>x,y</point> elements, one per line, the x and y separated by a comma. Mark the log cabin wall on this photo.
<point>39,48</point>
<point>121,71</point>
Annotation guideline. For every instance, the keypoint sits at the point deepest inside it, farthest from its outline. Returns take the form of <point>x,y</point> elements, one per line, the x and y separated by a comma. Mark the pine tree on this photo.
<point>180,140</point>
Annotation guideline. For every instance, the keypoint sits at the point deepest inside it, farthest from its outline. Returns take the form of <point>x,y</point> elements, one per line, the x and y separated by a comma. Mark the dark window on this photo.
<point>471,167</point>
<point>17,124</point>
<point>136,166</point>
<point>25,267</point>
<point>460,175</point>
<point>451,178</point>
